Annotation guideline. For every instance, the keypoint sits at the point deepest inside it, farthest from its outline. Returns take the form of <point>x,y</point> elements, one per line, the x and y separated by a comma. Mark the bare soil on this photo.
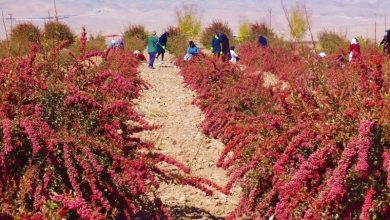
<point>168,104</point>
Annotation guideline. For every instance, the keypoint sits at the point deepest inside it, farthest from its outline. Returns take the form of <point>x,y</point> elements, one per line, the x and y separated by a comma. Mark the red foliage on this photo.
<point>305,137</point>
<point>367,205</point>
<point>67,145</point>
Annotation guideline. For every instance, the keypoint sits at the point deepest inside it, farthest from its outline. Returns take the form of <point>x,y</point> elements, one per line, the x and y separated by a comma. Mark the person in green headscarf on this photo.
<point>152,48</point>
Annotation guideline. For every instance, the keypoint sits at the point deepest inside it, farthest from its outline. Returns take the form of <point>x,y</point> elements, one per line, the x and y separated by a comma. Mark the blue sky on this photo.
<point>353,17</point>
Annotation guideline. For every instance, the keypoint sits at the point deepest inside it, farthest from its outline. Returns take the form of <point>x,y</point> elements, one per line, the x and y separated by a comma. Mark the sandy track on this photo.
<point>168,104</point>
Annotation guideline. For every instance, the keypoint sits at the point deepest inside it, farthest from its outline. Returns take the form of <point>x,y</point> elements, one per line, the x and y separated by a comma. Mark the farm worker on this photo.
<point>262,41</point>
<point>139,56</point>
<point>161,44</point>
<point>225,47</point>
<point>152,49</point>
<point>192,50</point>
<point>119,43</point>
<point>386,42</point>
<point>112,43</point>
<point>354,49</point>
<point>322,54</point>
<point>235,58</point>
<point>340,60</point>
<point>216,44</point>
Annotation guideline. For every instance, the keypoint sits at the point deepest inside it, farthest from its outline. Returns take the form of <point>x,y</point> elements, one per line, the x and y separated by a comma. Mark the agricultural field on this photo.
<point>306,138</point>
<point>67,138</point>
<point>292,130</point>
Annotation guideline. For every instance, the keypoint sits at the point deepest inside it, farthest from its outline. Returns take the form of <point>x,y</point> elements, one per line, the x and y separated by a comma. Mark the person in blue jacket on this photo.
<point>216,44</point>
<point>161,44</point>
<point>262,41</point>
<point>225,48</point>
<point>192,50</point>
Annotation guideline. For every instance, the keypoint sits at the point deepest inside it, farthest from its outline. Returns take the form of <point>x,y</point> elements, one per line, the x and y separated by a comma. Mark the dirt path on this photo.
<point>168,104</point>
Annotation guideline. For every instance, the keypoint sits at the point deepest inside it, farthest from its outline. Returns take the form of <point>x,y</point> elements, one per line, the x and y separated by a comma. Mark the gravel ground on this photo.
<point>168,104</point>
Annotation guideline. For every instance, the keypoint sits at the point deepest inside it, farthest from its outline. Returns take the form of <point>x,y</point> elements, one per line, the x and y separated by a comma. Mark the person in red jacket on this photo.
<point>354,49</point>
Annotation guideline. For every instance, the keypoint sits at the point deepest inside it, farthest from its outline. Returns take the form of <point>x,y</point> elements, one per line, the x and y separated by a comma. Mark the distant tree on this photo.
<point>138,31</point>
<point>97,42</point>
<point>173,31</point>
<point>188,20</point>
<point>26,32</point>
<point>209,31</point>
<point>297,21</point>
<point>57,31</point>
<point>255,30</point>
<point>4,49</point>
<point>299,24</point>
<point>23,36</point>
<point>178,42</point>
<point>244,32</point>
<point>135,37</point>
<point>330,42</point>
<point>258,29</point>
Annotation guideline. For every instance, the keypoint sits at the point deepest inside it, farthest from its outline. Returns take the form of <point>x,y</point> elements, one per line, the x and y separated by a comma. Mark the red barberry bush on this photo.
<point>306,138</point>
<point>67,144</point>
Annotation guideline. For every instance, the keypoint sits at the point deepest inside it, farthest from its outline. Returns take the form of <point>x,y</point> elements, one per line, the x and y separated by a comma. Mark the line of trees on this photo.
<point>188,27</point>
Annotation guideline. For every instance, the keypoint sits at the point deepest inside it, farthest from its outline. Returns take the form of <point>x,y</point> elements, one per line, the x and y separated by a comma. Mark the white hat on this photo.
<point>354,41</point>
<point>112,41</point>
<point>322,54</point>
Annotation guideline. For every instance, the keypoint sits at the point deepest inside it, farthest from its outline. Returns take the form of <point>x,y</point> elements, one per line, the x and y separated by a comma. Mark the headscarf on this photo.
<point>354,41</point>
<point>191,44</point>
<point>262,41</point>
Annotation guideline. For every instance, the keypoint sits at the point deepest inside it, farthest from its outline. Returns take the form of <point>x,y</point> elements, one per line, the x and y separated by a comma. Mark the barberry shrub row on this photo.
<point>67,143</point>
<point>306,138</point>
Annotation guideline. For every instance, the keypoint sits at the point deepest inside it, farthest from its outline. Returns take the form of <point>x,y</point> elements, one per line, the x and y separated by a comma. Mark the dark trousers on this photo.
<point>162,52</point>
<point>152,56</point>
<point>226,56</point>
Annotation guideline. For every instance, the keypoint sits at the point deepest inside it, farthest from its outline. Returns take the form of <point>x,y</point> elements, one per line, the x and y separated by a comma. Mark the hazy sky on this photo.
<point>354,17</point>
